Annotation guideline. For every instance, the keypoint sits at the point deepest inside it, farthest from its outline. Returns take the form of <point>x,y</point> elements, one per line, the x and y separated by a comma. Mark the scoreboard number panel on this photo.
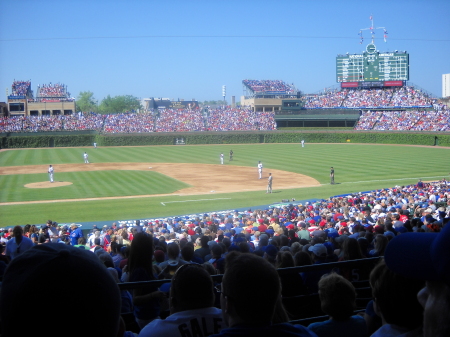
<point>372,66</point>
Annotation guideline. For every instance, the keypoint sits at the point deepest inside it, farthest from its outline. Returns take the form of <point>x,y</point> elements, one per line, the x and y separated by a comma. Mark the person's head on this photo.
<point>351,249</point>
<point>192,288</point>
<point>380,243</point>
<point>240,306</point>
<point>426,256</point>
<point>302,258</point>
<point>394,295</point>
<point>63,267</point>
<point>318,252</point>
<point>285,259</point>
<point>204,241</point>
<point>173,251</point>
<point>17,232</point>
<point>141,253</point>
<point>187,252</point>
<point>216,251</point>
<point>337,296</point>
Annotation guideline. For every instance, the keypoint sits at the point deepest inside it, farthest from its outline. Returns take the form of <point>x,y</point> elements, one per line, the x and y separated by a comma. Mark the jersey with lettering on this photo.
<point>198,322</point>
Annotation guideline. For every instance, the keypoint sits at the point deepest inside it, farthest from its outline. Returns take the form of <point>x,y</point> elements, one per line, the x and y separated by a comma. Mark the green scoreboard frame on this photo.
<point>372,66</point>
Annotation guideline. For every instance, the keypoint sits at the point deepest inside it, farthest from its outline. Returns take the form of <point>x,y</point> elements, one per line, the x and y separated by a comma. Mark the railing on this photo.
<point>302,309</point>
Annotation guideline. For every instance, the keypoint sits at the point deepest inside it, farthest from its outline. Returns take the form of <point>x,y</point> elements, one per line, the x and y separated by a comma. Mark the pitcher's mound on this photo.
<point>47,184</point>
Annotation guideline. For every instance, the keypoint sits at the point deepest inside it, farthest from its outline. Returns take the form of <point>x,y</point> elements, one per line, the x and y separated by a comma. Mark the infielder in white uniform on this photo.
<point>221,158</point>
<point>260,167</point>
<point>50,173</point>
<point>85,156</point>
<point>269,183</point>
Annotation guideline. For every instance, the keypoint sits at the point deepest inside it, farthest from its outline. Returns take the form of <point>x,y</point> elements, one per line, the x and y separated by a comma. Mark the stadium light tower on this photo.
<point>224,92</point>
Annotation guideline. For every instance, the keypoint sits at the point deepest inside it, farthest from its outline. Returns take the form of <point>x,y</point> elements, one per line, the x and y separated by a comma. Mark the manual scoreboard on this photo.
<point>372,66</point>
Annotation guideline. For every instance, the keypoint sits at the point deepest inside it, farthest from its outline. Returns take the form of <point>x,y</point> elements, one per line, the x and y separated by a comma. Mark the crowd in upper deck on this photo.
<point>395,97</point>
<point>269,86</point>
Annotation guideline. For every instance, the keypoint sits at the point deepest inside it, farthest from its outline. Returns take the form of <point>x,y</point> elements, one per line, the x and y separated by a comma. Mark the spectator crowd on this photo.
<point>402,97</point>
<point>398,108</point>
<point>52,90</point>
<point>437,119</point>
<point>248,247</point>
<point>240,119</point>
<point>20,88</point>
<point>167,120</point>
<point>269,86</point>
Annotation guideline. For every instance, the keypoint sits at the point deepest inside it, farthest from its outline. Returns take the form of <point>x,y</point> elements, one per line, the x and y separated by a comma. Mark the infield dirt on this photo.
<point>203,178</point>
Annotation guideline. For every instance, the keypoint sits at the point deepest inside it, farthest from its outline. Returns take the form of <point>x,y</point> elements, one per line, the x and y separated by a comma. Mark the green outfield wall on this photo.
<point>57,139</point>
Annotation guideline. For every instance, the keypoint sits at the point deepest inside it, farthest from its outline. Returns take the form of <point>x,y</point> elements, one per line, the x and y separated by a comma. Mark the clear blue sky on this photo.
<point>189,49</point>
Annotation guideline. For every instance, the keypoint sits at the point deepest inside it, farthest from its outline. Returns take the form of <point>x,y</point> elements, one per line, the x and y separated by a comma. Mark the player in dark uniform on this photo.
<point>332,175</point>
<point>231,155</point>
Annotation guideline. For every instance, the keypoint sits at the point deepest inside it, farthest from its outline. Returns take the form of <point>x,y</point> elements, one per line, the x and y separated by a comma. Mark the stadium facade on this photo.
<point>50,100</point>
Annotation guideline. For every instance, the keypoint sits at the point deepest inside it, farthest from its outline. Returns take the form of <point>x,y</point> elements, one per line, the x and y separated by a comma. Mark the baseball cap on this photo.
<point>272,251</point>
<point>333,234</point>
<point>318,249</point>
<point>424,256</point>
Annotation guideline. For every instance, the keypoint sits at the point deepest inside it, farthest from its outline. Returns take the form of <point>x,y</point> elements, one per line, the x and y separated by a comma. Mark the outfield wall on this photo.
<point>57,139</point>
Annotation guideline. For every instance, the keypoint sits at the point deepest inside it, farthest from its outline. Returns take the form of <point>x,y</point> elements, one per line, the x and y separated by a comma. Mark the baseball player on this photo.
<point>221,158</point>
<point>260,167</point>
<point>303,143</point>
<point>231,155</point>
<point>95,145</point>
<point>85,156</point>
<point>50,173</point>
<point>269,184</point>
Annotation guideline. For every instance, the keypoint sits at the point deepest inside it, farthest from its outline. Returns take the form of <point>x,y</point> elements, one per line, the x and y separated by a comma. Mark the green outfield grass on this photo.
<point>90,184</point>
<point>357,168</point>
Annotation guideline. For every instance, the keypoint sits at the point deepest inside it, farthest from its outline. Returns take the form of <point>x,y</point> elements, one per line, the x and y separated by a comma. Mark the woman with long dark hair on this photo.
<point>146,300</point>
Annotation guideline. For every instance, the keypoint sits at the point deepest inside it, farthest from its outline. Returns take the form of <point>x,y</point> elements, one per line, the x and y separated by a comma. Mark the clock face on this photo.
<point>371,48</point>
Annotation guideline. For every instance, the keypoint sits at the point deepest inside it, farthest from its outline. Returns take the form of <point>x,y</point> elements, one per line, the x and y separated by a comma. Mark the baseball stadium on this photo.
<point>164,162</point>
<point>352,166</point>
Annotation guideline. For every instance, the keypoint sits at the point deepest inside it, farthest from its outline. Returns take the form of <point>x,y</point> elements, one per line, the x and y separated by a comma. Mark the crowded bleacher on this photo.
<point>243,119</point>
<point>401,97</point>
<point>168,120</point>
<point>56,92</point>
<point>20,88</point>
<point>405,108</point>
<point>405,120</point>
<point>274,86</point>
<point>360,227</point>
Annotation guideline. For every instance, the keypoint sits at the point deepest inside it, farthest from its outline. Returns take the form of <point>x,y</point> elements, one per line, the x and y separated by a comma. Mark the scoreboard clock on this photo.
<point>372,66</point>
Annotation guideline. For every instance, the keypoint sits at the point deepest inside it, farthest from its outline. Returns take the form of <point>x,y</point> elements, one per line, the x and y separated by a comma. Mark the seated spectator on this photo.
<point>337,299</point>
<point>291,283</point>
<point>380,242</point>
<point>318,254</point>
<point>250,313</point>
<point>62,268</point>
<point>18,244</point>
<point>173,263</point>
<point>426,257</point>
<point>192,311</point>
<point>395,301</point>
<point>147,301</point>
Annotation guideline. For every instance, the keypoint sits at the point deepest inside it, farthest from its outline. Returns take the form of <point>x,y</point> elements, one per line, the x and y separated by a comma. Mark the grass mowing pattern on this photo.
<point>89,184</point>
<point>357,168</point>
